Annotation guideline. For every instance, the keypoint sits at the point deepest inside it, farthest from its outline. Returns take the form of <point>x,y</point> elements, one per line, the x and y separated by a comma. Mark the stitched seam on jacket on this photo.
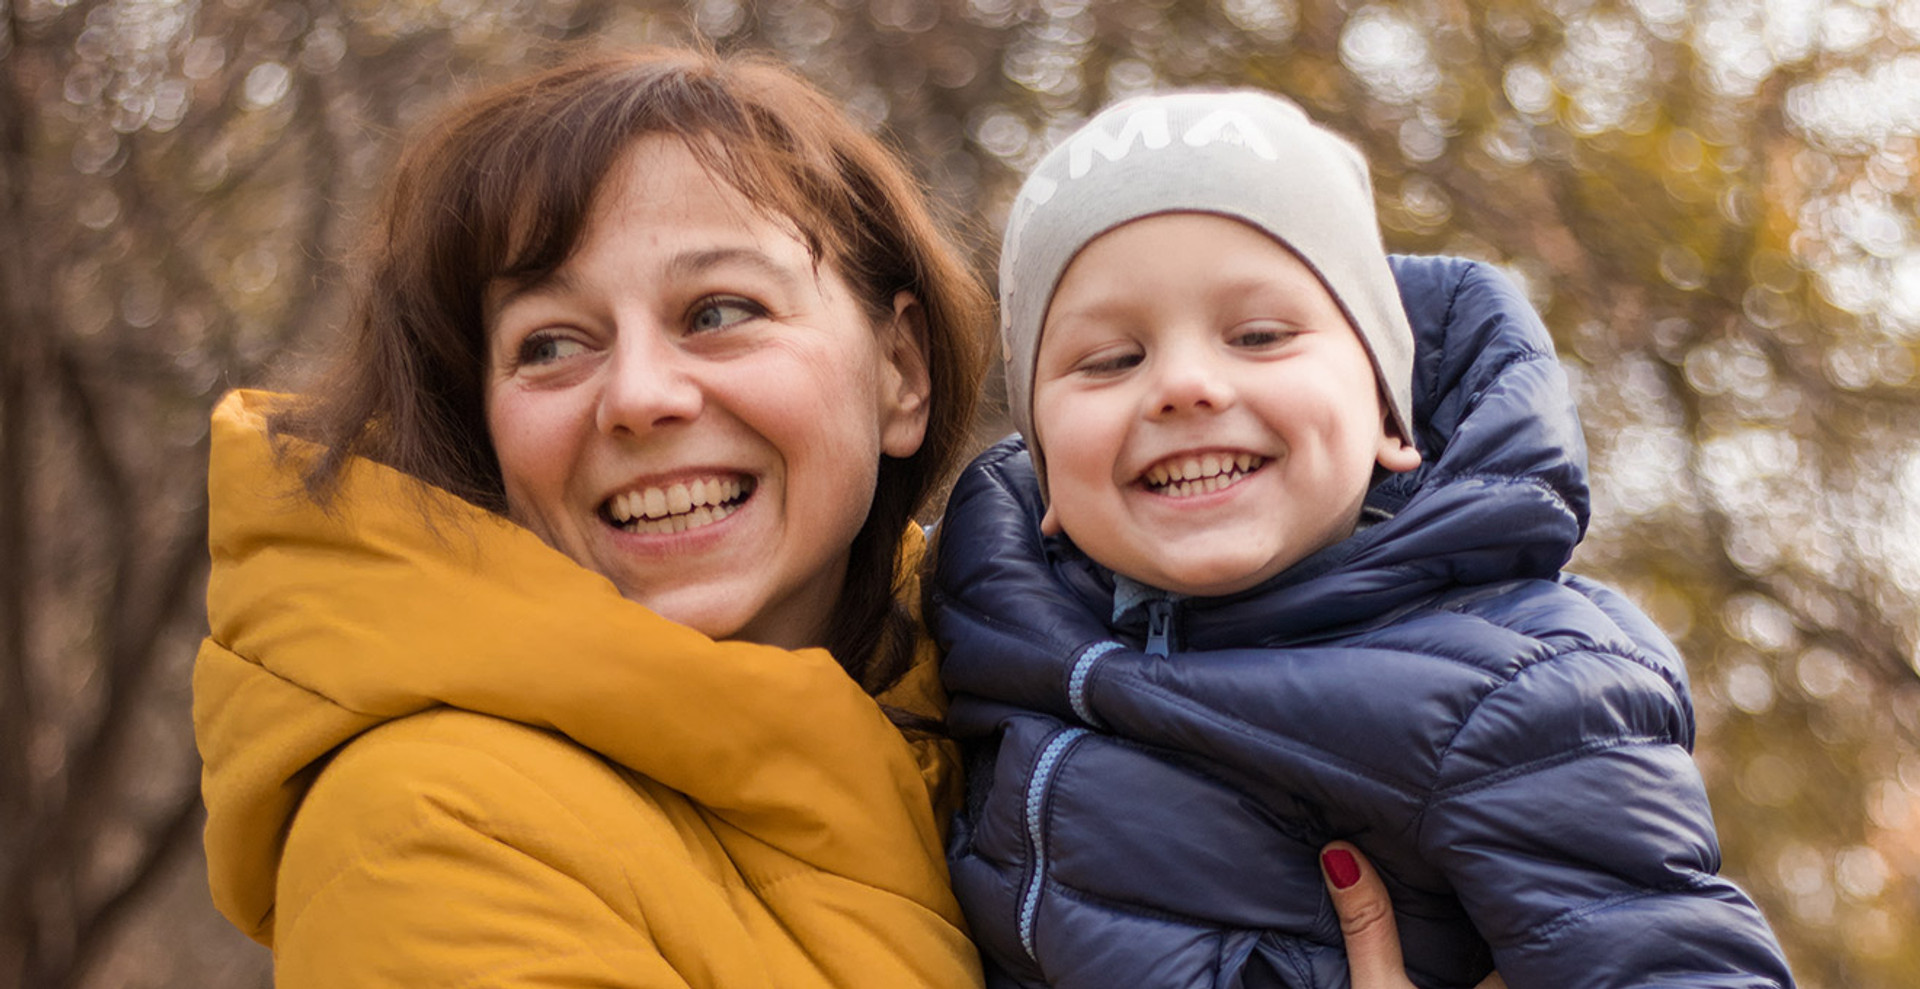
<point>1310,752</point>
<point>1442,478</point>
<point>1545,933</point>
<point>1584,649</point>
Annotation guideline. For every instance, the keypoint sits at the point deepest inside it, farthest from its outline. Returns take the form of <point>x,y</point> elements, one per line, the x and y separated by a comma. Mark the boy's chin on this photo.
<point>1212,579</point>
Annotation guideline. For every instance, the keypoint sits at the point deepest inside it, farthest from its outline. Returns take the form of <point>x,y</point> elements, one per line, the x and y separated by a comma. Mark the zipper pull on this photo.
<point>1159,627</point>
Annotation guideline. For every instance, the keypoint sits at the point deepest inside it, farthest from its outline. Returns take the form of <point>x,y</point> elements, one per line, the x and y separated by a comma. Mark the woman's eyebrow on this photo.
<point>698,262</point>
<point>556,282</point>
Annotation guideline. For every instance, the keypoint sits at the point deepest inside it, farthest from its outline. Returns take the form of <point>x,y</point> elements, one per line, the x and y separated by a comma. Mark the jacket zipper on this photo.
<point>1160,632</point>
<point>1043,771</point>
<point>1077,679</point>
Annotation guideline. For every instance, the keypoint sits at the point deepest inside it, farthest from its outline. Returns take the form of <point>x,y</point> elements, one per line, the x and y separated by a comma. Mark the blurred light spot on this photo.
<point>1425,201</point>
<point>203,58</point>
<point>719,18</point>
<point>1848,285</point>
<point>1002,134</point>
<point>1822,673</point>
<point>952,66</point>
<point>1682,268</point>
<point>170,101</point>
<point>909,16</point>
<point>1643,460</point>
<point>1760,623</point>
<point>325,46</point>
<point>1849,367</point>
<point>1854,111</point>
<point>98,210</point>
<point>1861,872</point>
<point>1529,89</point>
<point>1606,69</point>
<point>1266,19</point>
<point>266,84</point>
<point>97,151</point>
<point>1683,151</point>
<point>1750,688</point>
<point>994,13</point>
<point>85,84</point>
<point>1420,142</point>
<point>1845,27</point>
<point>254,271</point>
<point>142,301</point>
<point>1890,806</point>
<point>1130,77</point>
<point>1390,55</point>
<point>1509,144</point>
<point>1766,309</point>
<point>1802,871</point>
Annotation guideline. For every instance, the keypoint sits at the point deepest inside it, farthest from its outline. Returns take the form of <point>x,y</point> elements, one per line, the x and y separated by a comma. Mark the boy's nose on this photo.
<point>647,384</point>
<point>1190,384</point>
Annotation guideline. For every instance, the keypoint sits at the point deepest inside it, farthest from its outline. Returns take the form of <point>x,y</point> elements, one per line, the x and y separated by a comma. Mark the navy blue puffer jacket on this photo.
<point>1507,743</point>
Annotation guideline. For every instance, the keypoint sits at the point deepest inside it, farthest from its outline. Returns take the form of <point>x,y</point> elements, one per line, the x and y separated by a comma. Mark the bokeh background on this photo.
<point>1713,203</point>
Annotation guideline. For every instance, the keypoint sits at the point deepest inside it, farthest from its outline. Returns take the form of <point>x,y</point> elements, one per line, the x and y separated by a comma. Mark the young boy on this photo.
<point>1279,564</point>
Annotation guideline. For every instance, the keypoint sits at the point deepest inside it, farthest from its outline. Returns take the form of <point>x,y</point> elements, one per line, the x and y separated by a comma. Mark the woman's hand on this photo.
<point>1366,921</point>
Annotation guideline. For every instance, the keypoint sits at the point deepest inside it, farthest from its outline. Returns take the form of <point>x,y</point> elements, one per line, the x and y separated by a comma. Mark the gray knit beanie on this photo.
<point>1246,155</point>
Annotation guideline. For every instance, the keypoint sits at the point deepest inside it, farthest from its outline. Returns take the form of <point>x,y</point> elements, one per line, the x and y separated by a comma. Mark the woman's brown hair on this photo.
<point>502,188</point>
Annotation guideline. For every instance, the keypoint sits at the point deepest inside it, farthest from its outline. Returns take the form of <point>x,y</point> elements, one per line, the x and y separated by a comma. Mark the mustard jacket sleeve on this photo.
<point>451,849</point>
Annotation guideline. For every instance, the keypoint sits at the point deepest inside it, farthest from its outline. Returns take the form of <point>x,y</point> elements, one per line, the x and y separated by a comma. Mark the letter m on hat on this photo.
<point>1148,126</point>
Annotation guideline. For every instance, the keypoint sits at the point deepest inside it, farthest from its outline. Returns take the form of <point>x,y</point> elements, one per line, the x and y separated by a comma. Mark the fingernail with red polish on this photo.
<point>1340,866</point>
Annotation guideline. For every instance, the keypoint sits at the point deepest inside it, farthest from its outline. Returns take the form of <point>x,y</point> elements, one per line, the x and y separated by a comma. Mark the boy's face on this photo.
<point>1207,416</point>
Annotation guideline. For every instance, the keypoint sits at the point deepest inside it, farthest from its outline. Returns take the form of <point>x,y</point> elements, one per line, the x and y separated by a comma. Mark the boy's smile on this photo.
<point>1207,415</point>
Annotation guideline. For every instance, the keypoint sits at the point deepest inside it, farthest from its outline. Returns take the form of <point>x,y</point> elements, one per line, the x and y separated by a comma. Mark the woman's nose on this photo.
<point>649,384</point>
<point>1187,382</point>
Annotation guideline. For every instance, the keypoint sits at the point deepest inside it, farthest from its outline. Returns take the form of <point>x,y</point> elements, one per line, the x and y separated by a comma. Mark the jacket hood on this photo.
<point>1501,491</point>
<point>400,597</point>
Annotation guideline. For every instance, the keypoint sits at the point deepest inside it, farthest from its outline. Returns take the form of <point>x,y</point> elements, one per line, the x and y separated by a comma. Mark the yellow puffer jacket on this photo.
<point>449,756</point>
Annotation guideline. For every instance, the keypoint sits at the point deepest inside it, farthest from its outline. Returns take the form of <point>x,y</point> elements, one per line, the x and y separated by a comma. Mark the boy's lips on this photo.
<point>1188,474</point>
<point>689,503</point>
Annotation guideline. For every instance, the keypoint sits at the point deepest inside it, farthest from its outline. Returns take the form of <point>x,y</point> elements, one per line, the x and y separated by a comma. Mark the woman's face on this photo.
<point>695,408</point>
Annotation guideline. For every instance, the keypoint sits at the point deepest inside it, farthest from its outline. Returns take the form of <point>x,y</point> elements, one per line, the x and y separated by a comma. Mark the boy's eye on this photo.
<point>546,348</point>
<point>715,314</point>
<point>1109,363</point>
<point>1263,336</point>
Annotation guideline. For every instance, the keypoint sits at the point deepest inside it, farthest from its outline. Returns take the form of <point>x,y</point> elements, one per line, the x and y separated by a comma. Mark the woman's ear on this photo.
<point>906,387</point>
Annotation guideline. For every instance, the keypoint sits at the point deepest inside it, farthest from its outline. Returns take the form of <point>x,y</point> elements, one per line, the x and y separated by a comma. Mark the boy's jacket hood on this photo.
<point>326,624</point>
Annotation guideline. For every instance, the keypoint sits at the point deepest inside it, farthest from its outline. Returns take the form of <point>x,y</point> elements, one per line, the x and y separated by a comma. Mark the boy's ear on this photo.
<point>907,387</point>
<point>1395,453</point>
<point>1050,522</point>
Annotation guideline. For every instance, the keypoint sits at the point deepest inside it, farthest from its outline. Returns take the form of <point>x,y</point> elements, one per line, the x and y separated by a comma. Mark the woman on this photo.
<point>660,330</point>
<point>683,323</point>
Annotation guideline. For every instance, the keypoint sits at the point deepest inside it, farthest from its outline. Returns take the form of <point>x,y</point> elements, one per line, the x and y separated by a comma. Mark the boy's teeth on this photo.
<point>1198,475</point>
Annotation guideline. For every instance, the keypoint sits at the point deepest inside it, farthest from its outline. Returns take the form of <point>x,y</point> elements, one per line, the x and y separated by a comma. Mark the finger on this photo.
<point>1366,919</point>
<point>1493,981</point>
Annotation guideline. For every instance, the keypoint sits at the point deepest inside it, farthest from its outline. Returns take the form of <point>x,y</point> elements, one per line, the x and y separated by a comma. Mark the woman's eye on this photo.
<point>715,314</point>
<point>547,348</point>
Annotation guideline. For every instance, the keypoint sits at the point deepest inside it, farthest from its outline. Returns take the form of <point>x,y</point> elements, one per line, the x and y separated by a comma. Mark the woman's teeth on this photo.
<point>1201,474</point>
<point>678,507</point>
